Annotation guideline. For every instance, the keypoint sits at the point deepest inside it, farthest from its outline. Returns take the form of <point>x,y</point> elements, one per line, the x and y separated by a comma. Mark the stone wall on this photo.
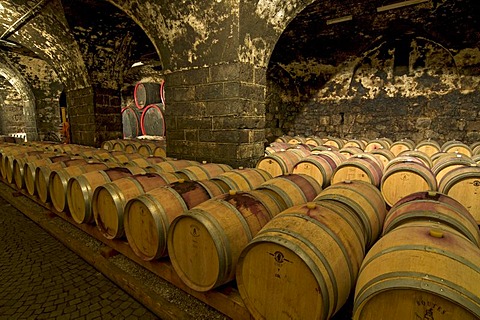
<point>216,114</point>
<point>11,117</point>
<point>434,95</point>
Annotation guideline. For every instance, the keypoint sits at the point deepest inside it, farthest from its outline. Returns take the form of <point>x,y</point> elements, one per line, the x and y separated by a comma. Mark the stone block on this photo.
<point>181,94</point>
<point>188,77</point>
<point>224,107</point>
<point>194,123</point>
<point>253,92</point>
<point>224,136</point>
<point>423,123</point>
<point>238,123</point>
<point>190,108</point>
<point>209,92</point>
<point>232,90</point>
<point>225,72</point>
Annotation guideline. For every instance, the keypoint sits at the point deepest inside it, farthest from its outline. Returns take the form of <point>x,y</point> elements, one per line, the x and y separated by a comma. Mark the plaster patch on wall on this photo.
<point>467,57</point>
<point>254,51</point>
<point>276,12</point>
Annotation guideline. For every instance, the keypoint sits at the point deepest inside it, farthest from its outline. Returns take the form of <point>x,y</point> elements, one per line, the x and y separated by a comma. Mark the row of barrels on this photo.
<point>307,260</point>
<point>427,146</point>
<point>144,147</point>
<point>295,250</point>
<point>452,173</point>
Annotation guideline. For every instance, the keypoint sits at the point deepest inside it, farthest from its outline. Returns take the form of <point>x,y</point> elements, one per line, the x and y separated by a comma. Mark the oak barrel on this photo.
<point>109,199</point>
<point>419,273</point>
<point>463,185</point>
<point>80,190</point>
<point>318,167</point>
<point>279,163</point>
<point>435,207</point>
<point>204,243</point>
<point>302,265</point>
<point>403,178</point>
<point>365,200</point>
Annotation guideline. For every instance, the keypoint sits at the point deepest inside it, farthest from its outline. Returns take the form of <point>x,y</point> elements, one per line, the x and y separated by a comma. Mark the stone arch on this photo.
<point>16,79</point>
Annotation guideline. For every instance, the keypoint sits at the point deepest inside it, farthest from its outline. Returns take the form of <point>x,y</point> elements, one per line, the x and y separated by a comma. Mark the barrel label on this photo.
<point>194,232</point>
<point>428,310</point>
<point>279,261</point>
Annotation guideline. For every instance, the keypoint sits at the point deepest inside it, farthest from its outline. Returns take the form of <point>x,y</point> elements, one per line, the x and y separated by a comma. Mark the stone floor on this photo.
<point>42,279</point>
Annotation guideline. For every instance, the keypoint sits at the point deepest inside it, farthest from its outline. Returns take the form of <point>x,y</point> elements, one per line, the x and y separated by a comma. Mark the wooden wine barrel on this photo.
<point>7,151</point>
<point>419,273</point>
<point>148,216</point>
<point>276,147</point>
<point>29,170</point>
<point>292,189</point>
<point>146,93</point>
<point>80,190</point>
<point>475,148</point>
<point>124,157</point>
<point>450,162</point>
<point>58,180</point>
<point>28,156</point>
<point>384,155</point>
<point>428,146</point>
<point>107,144</point>
<point>349,151</point>
<point>132,147</point>
<point>297,139</point>
<point>152,121</point>
<point>303,150</point>
<point>361,168</point>
<point>403,178</point>
<point>243,179</point>
<point>425,158</point>
<point>203,172</point>
<point>437,156</point>
<point>434,207</point>
<point>402,145</point>
<point>130,122</point>
<point>463,185</point>
<point>119,145</point>
<point>42,176</point>
<point>109,200</point>
<point>476,158</point>
<point>333,155</point>
<point>279,163</point>
<point>317,167</point>
<point>284,138</point>
<point>335,142</point>
<point>171,165</point>
<point>152,148</point>
<point>302,265</point>
<point>19,167</point>
<point>147,161</point>
<point>204,243</point>
<point>378,144</point>
<point>454,146</point>
<point>314,141</point>
<point>356,143</point>
<point>365,200</point>
<point>324,148</point>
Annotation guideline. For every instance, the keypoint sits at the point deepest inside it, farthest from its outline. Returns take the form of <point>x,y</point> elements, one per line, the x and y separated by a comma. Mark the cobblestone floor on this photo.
<point>42,279</point>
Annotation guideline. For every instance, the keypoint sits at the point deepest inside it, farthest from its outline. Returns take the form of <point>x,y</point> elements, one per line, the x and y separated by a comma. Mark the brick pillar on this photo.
<point>216,114</point>
<point>95,115</point>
